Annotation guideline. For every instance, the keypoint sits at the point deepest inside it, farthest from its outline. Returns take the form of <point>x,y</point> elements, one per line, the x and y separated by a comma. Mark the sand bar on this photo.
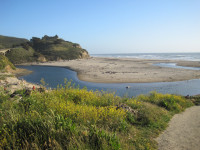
<point>123,70</point>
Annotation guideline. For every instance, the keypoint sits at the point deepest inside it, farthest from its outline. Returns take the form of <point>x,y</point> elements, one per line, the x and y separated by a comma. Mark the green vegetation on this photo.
<point>54,48</point>
<point>170,102</point>
<point>72,118</point>
<point>9,42</point>
<point>4,62</point>
<point>195,99</point>
<point>20,55</point>
<point>45,49</point>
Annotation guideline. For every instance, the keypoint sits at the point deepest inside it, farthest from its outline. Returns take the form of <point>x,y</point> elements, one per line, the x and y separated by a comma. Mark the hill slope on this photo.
<point>45,49</point>
<point>8,42</point>
<point>4,63</point>
<point>54,48</point>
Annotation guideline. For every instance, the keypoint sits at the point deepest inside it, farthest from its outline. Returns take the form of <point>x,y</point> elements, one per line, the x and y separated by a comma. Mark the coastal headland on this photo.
<point>124,70</point>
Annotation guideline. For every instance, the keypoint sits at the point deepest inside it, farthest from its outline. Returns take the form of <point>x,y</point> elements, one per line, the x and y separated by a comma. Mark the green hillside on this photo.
<point>20,55</point>
<point>4,62</point>
<point>54,48</point>
<point>42,49</point>
<point>8,42</point>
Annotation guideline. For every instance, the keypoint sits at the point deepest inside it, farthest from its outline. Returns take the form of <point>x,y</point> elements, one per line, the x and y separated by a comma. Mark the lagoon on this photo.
<point>55,76</point>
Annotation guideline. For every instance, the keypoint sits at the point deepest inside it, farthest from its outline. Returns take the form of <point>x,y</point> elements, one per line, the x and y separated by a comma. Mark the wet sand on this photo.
<point>122,70</point>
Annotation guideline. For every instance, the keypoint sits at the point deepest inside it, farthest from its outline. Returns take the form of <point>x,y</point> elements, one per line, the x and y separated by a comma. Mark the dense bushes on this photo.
<point>19,55</point>
<point>69,118</point>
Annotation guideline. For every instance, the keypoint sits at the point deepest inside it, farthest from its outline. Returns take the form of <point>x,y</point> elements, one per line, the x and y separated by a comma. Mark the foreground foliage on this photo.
<point>70,118</point>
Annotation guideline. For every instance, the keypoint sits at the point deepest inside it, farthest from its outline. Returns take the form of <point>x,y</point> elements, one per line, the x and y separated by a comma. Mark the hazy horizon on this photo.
<point>106,27</point>
<point>145,53</point>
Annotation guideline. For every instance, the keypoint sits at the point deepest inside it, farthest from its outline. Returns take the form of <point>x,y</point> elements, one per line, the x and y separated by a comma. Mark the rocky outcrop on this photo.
<point>127,108</point>
<point>77,46</point>
<point>84,55</point>
<point>42,59</point>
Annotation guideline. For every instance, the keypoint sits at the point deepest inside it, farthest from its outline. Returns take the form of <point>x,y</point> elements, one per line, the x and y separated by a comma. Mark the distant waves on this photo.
<point>161,56</point>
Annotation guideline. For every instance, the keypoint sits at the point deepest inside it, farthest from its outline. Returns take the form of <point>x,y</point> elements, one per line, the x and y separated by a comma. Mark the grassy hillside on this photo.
<point>9,42</point>
<point>54,48</point>
<point>45,49</point>
<point>4,62</point>
<point>70,118</point>
<point>20,55</point>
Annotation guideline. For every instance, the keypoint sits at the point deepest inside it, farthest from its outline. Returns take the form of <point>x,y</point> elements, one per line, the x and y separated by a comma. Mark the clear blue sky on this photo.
<point>108,26</point>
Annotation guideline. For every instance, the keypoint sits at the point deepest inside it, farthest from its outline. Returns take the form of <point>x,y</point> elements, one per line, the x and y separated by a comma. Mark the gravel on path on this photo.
<point>183,132</point>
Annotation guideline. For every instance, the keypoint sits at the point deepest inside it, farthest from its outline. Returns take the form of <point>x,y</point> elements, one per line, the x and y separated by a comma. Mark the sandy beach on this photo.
<point>122,70</point>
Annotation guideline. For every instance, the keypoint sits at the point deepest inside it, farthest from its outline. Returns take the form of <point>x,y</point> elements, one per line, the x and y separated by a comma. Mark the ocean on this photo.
<point>160,56</point>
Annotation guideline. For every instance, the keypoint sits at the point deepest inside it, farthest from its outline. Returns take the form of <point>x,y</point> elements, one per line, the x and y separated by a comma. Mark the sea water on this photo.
<point>160,56</point>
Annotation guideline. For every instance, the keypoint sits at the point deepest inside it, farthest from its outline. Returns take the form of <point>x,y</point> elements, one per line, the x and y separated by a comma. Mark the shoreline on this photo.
<point>10,81</point>
<point>126,70</point>
<point>21,72</point>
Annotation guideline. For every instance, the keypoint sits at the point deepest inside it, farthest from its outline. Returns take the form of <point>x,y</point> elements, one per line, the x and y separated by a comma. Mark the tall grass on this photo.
<point>170,102</point>
<point>71,118</point>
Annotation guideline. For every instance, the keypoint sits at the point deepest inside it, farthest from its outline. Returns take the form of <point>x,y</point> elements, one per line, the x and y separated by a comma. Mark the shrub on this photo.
<point>170,102</point>
<point>19,55</point>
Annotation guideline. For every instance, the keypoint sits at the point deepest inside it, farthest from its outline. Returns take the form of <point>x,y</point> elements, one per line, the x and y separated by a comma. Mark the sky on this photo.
<point>107,26</point>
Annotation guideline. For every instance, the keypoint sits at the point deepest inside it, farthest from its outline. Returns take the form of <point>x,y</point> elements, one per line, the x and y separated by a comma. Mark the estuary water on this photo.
<point>55,76</point>
<point>173,65</point>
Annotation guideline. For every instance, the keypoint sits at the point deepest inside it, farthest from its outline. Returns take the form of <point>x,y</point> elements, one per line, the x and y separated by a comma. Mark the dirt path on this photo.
<point>183,132</point>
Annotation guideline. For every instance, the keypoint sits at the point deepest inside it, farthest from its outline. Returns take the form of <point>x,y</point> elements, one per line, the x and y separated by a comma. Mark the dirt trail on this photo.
<point>183,132</point>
